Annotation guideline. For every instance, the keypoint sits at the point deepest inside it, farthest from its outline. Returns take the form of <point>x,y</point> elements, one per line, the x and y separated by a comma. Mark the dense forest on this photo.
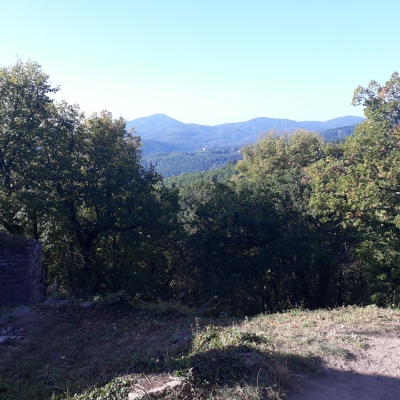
<point>178,163</point>
<point>161,133</point>
<point>337,134</point>
<point>221,174</point>
<point>303,222</point>
<point>212,163</point>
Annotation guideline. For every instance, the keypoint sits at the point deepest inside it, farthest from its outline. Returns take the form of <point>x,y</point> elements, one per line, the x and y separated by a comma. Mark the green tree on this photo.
<point>254,242</point>
<point>25,109</point>
<point>359,187</point>
<point>113,212</point>
<point>276,152</point>
<point>307,264</point>
<point>77,184</point>
<point>229,235</point>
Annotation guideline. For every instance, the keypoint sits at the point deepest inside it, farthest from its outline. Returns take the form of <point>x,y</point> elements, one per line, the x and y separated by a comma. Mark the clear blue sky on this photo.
<point>207,61</point>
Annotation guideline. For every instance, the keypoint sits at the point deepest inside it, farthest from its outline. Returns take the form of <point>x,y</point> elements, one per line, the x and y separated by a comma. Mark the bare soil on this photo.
<point>68,348</point>
<point>370,374</point>
<point>346,353</point>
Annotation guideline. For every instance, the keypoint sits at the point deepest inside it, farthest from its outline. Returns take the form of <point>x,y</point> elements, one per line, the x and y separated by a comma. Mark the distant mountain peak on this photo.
<point>160,132</point>
<point>153,123</point>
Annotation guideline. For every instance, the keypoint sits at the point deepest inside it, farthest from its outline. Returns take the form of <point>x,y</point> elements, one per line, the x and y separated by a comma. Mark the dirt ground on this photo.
<point>68,348</point>
<point>373,374</point>
<point>60,348</point>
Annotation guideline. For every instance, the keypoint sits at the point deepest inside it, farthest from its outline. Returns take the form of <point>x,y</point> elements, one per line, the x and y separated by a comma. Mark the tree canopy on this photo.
<point>77,184</point>
<point>297,222</point>
<point>359,187</point>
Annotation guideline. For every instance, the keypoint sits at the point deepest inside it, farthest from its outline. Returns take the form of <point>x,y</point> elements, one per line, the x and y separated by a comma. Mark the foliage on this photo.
<point>381,103</point>
<point>221,174</point>
<point>297,221</point>
<point>77,184</point>
<point>257,234</point>
<point>29,122</point>
<point>359,188</point>
<point>337,134</point>
<point>226,229</point>
<point>177,163</point>
<point>275,152</point>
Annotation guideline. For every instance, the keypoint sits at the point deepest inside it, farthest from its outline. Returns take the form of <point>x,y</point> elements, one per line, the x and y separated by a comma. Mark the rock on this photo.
<point>159,389</point>
<point>252,358</point>
<point>9,334</point>
<point>4,340</point>
<point>86,304</point>
<point>20,311</point>
<point>55,302</point>
<point>17,377</point>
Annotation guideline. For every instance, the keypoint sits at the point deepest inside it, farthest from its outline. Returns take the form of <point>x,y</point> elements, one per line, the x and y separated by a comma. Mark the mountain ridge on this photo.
<point>160,132</point>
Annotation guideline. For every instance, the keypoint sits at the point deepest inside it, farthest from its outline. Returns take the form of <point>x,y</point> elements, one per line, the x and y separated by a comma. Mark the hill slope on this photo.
<point>178,162</point>
<point>221,174</point>
<point>162,133</point>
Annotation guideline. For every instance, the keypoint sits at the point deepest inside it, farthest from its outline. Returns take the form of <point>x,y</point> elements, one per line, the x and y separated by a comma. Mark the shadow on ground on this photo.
<point>70,349</point>
<point>334,384</point>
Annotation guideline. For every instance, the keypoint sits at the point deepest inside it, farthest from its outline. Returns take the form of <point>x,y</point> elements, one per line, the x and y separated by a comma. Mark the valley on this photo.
<point>175,148</point>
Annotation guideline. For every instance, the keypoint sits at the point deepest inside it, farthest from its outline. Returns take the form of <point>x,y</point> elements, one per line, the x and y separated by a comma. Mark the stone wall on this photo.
<point>21,275</point>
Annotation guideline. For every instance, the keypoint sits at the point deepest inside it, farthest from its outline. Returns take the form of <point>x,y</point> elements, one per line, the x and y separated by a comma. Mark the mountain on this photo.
<point>151,146</point>
<point>337,134</point>
<point>154,123</point>
<point>161,133</point>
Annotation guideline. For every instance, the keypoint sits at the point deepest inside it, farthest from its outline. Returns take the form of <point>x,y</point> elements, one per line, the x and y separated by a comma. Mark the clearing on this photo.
<point>66,349</point>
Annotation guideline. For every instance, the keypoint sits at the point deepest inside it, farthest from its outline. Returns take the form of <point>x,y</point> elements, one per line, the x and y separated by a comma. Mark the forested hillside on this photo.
<point>221,174</point>
<point>161,133</point>
<point>177,163</point>
<point>304,222</point>
<point>337,134</point>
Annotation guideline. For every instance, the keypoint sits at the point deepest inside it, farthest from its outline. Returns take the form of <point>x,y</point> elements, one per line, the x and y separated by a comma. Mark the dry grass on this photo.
<point>70,348</point>
<point>102,351</point>
<point>339,331</point>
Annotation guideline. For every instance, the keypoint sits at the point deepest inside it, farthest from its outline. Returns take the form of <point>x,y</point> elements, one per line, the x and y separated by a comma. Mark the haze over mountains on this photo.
<point>161,133</point>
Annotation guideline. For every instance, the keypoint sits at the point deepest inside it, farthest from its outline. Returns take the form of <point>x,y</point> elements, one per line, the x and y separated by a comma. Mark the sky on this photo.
<point>207,61</point>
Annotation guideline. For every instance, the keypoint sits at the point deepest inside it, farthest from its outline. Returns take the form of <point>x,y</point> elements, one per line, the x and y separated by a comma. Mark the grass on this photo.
<point>104,351</point>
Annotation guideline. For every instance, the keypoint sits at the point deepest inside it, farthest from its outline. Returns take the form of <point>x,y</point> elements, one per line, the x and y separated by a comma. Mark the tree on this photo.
<point>111,212</point>
<point>77,184</point>
<point>381,103</point>
<point>254,242</point>
<point>229,234</point>
<point>306,267</point>
<point>25,108</point>
<point>359,187</point>
<point>276,153</point>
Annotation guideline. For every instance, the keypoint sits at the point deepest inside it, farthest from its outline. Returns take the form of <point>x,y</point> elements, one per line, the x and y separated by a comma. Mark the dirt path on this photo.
<point>373,374</point>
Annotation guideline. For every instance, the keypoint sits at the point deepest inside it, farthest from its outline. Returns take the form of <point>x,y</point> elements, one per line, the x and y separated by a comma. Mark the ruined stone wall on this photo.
<point>21,275</point>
